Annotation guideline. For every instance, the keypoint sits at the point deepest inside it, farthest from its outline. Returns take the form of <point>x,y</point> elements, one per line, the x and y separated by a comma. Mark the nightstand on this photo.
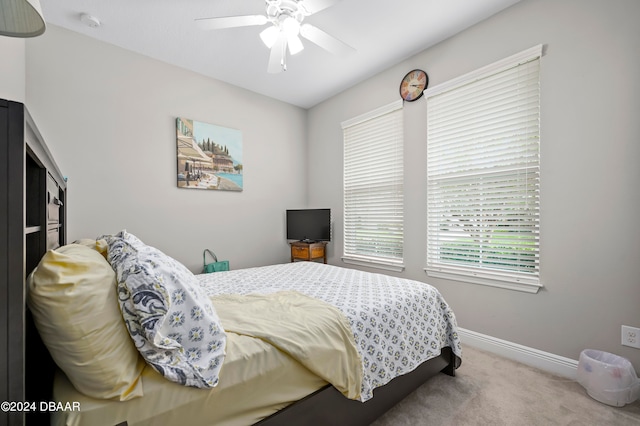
<point>308,251</point>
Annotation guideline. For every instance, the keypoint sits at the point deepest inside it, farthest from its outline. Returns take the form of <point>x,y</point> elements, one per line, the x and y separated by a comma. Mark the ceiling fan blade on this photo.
<point>230,22</point>
<point>324,40</point>
<point>314,6</point>
<point>276,58</point>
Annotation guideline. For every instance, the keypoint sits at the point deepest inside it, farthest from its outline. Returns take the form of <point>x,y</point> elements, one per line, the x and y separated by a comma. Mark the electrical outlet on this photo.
<point>631,336</point>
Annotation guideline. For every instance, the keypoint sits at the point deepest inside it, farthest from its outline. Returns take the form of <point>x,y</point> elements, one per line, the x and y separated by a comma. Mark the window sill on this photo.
<point>387,266</point>
<point>526,287</point>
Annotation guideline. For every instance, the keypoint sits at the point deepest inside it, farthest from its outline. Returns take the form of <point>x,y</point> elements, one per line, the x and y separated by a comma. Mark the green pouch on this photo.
<point>215,266</point>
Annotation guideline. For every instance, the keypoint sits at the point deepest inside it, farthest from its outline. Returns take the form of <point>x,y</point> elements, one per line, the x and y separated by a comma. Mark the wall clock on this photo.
<point>413,84</point>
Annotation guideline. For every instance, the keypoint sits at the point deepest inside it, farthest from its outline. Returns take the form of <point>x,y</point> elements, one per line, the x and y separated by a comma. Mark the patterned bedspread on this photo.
<point>397,323</point>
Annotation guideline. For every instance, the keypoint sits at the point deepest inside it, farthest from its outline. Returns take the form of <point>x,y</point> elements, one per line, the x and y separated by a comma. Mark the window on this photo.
<point>483,172</point>
<point>373,188</point>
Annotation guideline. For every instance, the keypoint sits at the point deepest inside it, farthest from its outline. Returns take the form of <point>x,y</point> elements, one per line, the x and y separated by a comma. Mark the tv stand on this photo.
<point>303,250</point>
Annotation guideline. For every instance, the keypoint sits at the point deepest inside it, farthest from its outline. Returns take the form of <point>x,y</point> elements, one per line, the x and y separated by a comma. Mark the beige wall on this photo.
<point>590,233</point>
<point>108,115</point>
<point>12,70</point>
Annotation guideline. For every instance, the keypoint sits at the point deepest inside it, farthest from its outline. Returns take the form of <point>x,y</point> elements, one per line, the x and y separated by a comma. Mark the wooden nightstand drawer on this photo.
<point>300,252</point>
<point>317,252</point>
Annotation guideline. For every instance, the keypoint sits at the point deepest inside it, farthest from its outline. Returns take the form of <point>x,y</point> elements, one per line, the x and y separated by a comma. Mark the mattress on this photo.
<point>394,325</point>
<point>245,394</point>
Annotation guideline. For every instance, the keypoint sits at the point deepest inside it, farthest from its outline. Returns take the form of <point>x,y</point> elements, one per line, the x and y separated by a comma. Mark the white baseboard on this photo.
<point>546,361</point>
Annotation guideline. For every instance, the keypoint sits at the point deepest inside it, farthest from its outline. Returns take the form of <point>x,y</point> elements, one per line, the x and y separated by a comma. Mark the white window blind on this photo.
<point>483,172</point>
<point>373,188</point>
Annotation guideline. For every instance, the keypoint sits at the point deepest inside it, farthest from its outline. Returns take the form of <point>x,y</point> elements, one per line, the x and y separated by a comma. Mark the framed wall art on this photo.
<point>209,156</point>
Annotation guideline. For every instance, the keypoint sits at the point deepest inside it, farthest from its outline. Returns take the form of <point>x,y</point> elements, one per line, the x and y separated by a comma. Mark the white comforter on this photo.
<point>397,323</point>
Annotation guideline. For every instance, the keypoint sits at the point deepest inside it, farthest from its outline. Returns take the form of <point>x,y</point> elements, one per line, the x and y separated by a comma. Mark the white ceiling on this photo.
<point>383,32</point>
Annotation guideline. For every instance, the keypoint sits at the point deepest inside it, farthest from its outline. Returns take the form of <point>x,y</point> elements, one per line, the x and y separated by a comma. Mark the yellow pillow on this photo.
<point>73,298</point>
<point>100,246</point>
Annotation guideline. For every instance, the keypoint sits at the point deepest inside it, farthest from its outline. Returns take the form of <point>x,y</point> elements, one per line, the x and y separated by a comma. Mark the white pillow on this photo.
<point>172,322</point>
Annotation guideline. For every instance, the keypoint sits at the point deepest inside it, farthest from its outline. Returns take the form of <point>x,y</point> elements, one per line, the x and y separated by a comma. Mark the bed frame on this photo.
<point>328,406</point>
<point>33,219</point>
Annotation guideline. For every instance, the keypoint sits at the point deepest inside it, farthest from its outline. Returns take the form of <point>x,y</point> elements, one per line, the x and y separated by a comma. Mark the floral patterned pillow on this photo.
<point>172,322</point>
<point>128,237</point>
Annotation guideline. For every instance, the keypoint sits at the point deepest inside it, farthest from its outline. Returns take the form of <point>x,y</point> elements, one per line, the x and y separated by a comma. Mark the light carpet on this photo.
<point>492,390</point>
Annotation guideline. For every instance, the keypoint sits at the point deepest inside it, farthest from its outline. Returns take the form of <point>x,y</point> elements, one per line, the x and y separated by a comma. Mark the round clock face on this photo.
<point>413,85</point>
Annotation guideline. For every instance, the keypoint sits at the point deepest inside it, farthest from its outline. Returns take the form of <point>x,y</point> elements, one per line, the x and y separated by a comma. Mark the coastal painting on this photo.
<point>209,156</point>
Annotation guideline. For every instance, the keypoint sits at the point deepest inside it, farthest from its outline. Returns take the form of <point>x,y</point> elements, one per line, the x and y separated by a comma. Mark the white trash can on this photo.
<point>608,378</point>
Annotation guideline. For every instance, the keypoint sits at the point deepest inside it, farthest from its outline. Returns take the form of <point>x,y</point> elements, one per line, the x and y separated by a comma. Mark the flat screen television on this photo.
<point>309,225</point>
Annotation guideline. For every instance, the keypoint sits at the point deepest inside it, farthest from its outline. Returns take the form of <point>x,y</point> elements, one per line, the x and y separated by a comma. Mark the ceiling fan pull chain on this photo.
<point>283,62</point>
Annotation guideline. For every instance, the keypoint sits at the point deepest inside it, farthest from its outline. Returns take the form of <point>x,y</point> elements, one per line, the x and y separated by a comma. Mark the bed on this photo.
<point>320,332</point>
<point>378,338</point>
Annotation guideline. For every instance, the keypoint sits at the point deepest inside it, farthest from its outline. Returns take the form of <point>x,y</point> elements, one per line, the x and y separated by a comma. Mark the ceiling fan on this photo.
<point>285,17</point>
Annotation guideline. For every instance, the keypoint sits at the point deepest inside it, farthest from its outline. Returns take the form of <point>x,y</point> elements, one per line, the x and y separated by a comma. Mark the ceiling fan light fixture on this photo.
<point>291,26</point>
<point>269,36</point>
<point>285,29</point>
<point>272,10</point>
<point>295,44</point>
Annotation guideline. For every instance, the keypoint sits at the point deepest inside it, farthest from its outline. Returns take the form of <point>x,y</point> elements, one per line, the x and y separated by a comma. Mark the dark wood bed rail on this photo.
<point>329,407</point>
